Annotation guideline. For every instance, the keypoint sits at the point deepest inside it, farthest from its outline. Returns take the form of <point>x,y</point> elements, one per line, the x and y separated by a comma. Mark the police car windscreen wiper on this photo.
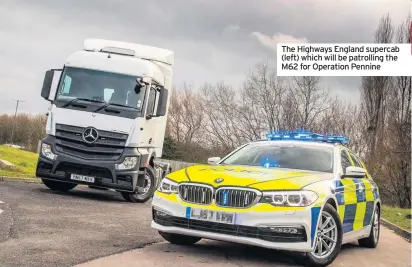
<point>116,105</point>
<point>83,99</point>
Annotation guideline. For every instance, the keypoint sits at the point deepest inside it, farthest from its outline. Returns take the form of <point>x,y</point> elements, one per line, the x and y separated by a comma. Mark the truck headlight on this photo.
<point>168,186</point>
<point>46,151</point>
<point>290,198</point>
<point>128,163</point>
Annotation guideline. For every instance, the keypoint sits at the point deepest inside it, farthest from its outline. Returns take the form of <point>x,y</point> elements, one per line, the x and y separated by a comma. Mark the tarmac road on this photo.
<point>392,251</point>
<point>39,227</point>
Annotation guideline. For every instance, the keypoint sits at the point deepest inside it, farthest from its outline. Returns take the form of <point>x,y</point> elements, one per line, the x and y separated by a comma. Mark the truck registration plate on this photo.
<point>82,178</point>
<point>210,215</point>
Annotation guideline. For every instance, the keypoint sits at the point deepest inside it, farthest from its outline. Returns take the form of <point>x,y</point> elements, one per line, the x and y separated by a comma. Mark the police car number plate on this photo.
<point>210,215</point>
<point>82,178</point>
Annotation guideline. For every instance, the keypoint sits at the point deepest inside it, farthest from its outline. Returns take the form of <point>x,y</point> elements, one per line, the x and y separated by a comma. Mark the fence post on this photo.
<point>38,147</point>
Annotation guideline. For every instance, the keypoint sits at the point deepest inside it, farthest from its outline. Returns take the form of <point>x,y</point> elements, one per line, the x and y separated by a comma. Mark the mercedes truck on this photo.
<point>107,119</point>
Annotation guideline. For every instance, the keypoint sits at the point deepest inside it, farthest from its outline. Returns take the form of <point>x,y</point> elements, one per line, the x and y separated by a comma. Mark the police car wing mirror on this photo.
<point>354,172</point>
<point>213,160</point>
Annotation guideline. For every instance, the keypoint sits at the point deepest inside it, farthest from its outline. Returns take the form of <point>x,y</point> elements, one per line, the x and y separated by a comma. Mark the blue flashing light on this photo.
<point>305,135</point>
<point>269,163</point>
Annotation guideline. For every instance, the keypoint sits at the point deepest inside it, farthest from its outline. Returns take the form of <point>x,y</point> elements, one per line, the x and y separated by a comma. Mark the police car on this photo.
<point>300,192</point>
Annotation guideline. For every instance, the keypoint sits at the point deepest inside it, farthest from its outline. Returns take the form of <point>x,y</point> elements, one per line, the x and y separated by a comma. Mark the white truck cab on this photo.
<point>107,119</point>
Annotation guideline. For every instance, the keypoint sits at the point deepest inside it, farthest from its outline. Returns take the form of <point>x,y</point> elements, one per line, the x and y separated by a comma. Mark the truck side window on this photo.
<point>66,84</point>
<point>345,162</point>
<point>107,94</point>
<point>151,102</point>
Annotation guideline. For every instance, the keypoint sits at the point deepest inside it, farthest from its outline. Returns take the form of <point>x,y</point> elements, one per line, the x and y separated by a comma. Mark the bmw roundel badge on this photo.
<point>218,180</point>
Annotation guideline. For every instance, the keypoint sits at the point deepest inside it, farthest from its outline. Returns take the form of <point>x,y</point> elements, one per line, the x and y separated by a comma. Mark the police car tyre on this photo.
<point>58,186</point>
<point>142,196</point>
<point>314,260</point>
<point>183,240</point>
<point>372,240</point>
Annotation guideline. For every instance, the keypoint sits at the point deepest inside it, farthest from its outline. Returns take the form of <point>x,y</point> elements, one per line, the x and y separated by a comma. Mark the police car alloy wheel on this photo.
<point>328,239</point>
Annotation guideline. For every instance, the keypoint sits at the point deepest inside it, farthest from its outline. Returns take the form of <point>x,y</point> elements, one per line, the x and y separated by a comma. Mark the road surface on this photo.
<point>39,227</point>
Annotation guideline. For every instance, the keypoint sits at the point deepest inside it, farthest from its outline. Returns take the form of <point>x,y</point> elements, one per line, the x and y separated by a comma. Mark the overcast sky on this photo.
<point>213,40</point>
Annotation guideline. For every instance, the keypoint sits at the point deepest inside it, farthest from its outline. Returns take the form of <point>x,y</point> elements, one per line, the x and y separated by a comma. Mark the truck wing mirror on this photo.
<point>162,105</point>
<point>140,83</point>
<point>47,84</point>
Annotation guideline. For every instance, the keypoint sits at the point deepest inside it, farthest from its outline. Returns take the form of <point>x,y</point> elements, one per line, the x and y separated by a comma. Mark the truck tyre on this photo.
<point>332,230</point>
<point>58,186</point>
<point>372,240</point>
<point>141,195</point>
<point>177,239</point>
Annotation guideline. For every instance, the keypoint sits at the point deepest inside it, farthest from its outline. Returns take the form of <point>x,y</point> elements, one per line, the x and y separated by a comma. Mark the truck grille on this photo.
<point>109,146</point>
<point>236,198</point>
<point>198,194</point>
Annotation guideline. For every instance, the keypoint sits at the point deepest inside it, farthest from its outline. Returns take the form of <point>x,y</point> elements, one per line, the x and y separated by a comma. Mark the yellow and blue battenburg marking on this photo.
<point>355,202</point>
<point>315,212</point>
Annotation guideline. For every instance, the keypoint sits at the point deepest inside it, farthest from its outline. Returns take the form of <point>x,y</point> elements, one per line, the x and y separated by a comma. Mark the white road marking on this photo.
<point>1,202</point>
<point>1,211</point>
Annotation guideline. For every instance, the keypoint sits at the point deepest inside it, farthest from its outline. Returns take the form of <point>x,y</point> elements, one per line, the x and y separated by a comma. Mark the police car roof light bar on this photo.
<point>304,135</point>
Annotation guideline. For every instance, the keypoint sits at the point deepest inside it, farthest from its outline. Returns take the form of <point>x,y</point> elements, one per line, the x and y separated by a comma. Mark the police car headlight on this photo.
<point>168,186</point>
<point>290,198</point>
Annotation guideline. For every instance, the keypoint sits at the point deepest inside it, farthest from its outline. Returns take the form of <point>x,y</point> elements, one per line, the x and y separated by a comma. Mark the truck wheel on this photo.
<point>328,240</point>
<point>143,194</point>
<point>58,186</point>
<point>372,240</point>
<point>183,240</point>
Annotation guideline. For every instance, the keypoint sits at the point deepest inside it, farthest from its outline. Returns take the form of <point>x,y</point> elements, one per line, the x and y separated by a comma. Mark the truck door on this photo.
<point>151,121</point>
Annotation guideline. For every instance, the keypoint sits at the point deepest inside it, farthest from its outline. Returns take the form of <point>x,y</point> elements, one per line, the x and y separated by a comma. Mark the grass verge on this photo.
<point>24,162</point>
<point>397,216</point>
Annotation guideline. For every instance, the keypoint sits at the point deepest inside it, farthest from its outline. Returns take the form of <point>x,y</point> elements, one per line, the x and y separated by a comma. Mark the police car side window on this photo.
<point>356,160</point>
<point>345,162</point>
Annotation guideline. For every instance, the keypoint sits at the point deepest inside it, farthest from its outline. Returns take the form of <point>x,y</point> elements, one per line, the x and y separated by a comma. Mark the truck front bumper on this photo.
<point>104,172</point>
<point>251,228</point>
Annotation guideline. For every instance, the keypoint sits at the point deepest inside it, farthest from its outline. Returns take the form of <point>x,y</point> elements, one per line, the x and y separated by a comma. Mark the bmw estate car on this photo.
<point>300,192</point>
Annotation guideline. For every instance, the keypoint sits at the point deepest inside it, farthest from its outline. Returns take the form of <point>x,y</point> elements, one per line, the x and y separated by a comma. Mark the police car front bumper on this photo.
<point>251,228</point>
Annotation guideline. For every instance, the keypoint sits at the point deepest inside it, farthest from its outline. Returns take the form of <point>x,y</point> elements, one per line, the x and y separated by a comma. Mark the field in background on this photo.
<point>24,162</point>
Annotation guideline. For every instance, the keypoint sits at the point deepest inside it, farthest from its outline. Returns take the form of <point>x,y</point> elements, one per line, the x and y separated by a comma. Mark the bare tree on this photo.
<point>374,89</point>
<point>310,100</point>
<point>396,165</point>
<point>185,115</point>
<point>265,92</point>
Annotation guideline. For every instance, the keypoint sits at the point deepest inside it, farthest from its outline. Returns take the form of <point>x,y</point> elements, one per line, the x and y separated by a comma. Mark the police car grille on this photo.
<point>262,233</point>
<point>196,194</point>
<point>235,198</point>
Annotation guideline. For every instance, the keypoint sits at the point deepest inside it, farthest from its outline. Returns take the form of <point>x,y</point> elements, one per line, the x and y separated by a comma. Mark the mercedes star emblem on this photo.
<point>218,180</point>
<point>90,135</point>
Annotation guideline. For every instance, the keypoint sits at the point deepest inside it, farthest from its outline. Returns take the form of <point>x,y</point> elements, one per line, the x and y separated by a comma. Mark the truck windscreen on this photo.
<point>93,90</point>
